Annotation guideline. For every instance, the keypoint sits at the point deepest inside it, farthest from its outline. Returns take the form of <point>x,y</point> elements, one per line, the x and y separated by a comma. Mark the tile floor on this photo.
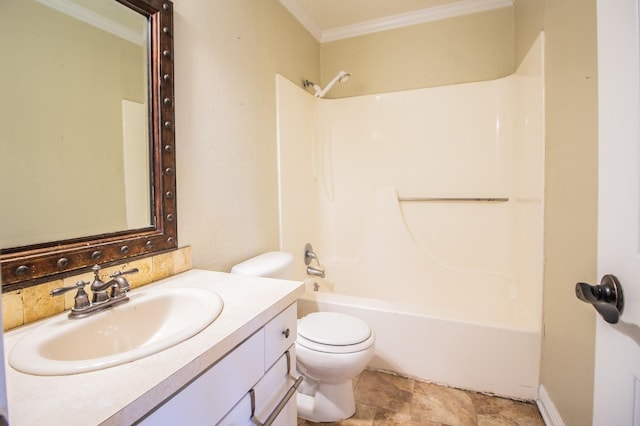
<point>385,399</point>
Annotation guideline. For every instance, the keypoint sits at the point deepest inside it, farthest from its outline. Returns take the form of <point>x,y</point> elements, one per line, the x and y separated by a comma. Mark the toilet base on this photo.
<point>331,402</point>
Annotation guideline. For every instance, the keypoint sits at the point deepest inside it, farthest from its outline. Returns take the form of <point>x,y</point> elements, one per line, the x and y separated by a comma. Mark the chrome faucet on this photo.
<point>310,255</point>
<point>316,272</point>
<point>101,300</point>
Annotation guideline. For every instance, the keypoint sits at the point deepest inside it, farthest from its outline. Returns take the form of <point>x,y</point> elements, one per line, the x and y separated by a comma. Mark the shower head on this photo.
<point>344,76</point>
<point>340,78</point>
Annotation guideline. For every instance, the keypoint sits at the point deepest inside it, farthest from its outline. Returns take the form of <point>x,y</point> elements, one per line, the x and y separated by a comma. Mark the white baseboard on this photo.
<point>547,409</point>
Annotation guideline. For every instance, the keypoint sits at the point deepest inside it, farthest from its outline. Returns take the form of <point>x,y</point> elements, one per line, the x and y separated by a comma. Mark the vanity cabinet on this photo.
<point>251,380</point>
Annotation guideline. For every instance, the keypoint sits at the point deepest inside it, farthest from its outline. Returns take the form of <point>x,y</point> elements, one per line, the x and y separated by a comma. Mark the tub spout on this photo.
<point>316,272</point>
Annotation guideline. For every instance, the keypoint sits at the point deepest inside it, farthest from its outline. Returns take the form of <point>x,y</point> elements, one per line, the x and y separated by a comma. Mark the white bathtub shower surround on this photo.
<point>426,270</point>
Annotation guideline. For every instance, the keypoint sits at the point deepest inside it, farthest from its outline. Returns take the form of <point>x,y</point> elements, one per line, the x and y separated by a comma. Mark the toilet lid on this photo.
<point>333,329</point>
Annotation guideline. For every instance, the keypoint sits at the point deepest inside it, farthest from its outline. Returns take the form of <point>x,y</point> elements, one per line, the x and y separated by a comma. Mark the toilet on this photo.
<point>331,349</point>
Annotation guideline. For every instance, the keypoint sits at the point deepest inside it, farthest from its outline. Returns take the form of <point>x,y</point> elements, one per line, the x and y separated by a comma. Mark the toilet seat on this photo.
<point>333,332</point>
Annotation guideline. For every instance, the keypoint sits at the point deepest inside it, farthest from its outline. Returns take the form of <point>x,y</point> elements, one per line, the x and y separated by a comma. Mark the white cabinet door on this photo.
<point>206,400</point>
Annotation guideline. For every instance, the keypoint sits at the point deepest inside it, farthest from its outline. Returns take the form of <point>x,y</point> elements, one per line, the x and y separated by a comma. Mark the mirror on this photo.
<point>47,117</point>
<point>87,154</point>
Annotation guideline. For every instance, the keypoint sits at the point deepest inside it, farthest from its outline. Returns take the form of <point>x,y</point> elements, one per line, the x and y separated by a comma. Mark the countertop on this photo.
<point>123,394</point>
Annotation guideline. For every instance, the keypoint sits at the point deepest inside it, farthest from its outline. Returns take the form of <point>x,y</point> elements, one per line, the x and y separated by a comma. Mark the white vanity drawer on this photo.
<point>280,333</point>
<point>206,400</point>
<point>267,394</point>
<point>272,388</point>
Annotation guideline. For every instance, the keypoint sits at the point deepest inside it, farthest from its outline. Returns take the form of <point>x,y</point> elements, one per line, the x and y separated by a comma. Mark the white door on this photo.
<point>617,370</point>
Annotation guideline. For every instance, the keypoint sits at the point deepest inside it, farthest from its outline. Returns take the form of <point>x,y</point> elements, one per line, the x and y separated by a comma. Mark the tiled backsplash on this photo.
<point>34,303</point>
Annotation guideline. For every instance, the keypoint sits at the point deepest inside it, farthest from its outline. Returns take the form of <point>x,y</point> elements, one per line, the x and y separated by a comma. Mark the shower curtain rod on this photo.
<point>454,199</point>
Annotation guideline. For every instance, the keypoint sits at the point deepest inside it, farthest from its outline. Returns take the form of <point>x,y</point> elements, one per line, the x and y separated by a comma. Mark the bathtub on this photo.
<point>500,358</point>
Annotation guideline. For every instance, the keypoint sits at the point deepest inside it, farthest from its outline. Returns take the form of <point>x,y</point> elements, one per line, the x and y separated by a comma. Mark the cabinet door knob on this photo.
<point>286,333</point>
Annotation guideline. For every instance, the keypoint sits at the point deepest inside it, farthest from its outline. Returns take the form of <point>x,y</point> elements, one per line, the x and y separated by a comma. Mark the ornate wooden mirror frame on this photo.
<point>29,265</point>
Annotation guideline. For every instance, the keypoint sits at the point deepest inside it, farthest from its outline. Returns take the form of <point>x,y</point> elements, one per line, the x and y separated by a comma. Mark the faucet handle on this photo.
<point>62,290</point>
<point>309,254</point>
<point>121,285</point>
<point>81,299</point>
<point>116,274</point>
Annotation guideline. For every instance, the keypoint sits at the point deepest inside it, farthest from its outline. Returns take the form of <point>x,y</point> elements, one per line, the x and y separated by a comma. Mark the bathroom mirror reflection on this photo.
<point>75,143</point>
<point>87,148</point>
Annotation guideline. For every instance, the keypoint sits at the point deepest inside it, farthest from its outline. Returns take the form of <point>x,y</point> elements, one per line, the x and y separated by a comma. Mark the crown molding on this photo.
<point>463,7</point>
<point>95,19</point>
<point>301,16</point>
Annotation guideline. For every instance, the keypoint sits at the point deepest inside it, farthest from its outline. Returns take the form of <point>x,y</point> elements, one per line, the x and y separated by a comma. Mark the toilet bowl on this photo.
<point>331,349</point>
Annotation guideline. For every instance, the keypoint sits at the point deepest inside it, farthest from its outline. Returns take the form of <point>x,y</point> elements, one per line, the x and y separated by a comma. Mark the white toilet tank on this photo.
<point>273,264</point>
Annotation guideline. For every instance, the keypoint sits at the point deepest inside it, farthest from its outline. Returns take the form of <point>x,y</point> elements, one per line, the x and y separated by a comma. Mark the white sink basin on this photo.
<point>152,321</point>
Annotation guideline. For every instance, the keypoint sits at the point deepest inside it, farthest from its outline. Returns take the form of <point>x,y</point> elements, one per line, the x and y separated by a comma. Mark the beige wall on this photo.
<point>456,50</point>
<point>571,205</point>
<point>570,196</point>
<point>529,21</point>
<point>227,55</point>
